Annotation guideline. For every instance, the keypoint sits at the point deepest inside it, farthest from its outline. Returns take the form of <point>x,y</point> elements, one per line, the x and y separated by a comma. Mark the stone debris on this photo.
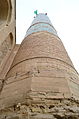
<point>43,111</point>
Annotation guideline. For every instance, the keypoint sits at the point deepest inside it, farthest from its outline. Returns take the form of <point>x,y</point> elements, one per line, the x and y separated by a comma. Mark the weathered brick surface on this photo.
<point>7,28</point>
<point>39,80</point>
<point>42,44</point>
<point>8,61</point>
<point>14,92</point>
<point>57,109</point>
<point>5,48</point>
<point>40,65</point>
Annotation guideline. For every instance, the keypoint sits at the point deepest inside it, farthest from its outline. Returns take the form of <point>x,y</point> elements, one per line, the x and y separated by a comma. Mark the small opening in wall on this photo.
<point>11,38</point>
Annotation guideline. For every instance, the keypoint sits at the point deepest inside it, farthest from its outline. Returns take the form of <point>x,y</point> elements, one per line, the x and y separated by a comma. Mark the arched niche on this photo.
<point>5,11</point>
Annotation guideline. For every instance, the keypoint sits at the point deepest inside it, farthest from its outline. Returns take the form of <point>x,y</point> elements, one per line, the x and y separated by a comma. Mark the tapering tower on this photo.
<point>42,68</point>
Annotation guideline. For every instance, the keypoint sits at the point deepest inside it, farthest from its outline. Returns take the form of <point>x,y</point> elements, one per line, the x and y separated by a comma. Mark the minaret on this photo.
<point>42,68</point>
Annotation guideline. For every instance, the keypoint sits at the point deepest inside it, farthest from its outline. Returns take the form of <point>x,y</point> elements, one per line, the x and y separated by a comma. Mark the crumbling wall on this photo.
<point>47,109</point>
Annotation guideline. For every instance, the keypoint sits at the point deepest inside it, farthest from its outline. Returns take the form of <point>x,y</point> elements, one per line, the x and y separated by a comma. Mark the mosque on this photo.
<point>37,73</point>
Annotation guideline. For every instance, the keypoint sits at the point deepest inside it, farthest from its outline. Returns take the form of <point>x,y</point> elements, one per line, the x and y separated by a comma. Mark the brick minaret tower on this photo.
<point>41,70</point>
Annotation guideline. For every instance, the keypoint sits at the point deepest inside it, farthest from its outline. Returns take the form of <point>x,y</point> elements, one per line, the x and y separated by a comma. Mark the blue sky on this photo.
<point>64,15</point>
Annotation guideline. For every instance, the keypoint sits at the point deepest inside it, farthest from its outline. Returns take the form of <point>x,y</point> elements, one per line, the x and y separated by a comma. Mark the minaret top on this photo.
<point>41,23</point>
<point>41,17</point>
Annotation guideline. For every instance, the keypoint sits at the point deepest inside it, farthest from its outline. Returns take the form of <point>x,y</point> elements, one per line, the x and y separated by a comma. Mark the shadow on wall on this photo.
<point>5,11</point>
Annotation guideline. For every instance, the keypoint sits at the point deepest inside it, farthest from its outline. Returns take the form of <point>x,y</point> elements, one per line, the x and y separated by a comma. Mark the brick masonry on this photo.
<point>41,65</point>
<point>37,78</point>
